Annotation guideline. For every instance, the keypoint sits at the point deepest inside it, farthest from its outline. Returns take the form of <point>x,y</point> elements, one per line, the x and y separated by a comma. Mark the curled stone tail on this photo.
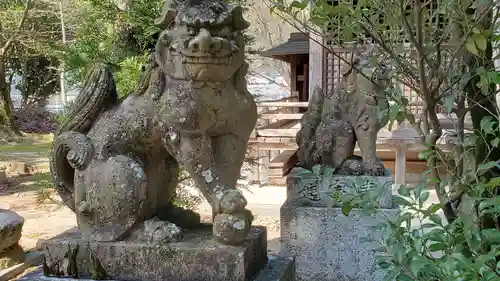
<point>98,94</point>
<point>70,151</point>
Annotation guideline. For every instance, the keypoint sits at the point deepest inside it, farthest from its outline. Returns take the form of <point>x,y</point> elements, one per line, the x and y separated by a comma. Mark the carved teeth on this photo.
<point>207,60</point>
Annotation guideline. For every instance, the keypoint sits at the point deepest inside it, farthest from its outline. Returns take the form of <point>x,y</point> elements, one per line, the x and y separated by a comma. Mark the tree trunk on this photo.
<point>7,124</point>
<point>485,103</point>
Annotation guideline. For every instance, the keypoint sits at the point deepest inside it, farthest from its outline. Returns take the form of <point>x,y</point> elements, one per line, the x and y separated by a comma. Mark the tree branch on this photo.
<point>11,40</point>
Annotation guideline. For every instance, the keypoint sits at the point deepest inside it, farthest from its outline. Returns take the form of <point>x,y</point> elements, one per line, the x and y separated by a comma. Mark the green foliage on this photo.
<point>130,71</point>
<point>419,244</point>
<point>114,37</point>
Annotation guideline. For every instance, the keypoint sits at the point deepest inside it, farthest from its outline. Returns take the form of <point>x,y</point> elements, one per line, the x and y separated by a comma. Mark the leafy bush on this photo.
<point>35,120</point>
<point>419,245</point>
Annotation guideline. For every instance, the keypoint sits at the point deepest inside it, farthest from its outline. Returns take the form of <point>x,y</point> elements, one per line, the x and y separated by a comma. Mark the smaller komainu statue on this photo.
<point>352,112</point>
<point>115,162</point>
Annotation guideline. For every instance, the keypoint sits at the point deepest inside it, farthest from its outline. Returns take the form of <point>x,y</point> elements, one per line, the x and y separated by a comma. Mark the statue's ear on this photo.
<point>239,23</point>
<point>168,14</point>
<point>346,70</point>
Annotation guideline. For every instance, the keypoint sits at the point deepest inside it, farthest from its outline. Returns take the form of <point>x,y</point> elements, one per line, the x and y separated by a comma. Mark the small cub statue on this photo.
<point>335,121</point>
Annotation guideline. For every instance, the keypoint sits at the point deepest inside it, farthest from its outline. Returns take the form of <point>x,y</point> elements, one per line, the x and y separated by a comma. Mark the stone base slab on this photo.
<point>196,257</point>
<point>329,246</point>
<point>276,269</point>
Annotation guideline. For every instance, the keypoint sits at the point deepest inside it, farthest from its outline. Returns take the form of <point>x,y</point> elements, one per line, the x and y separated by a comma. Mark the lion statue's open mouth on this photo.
<point>207,60</point>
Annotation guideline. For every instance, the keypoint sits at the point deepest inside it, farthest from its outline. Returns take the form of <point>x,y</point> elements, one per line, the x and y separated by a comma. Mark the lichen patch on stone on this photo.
<point>207,174</point>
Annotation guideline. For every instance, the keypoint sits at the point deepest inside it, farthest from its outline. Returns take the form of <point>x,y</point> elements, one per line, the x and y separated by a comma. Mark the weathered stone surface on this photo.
<point>191,107</point>
<point>196,257</point>
<point>276,269</point>
<point>11,227</point>
<point>3,176</point>
<point>11,256</point>
<point>325,189</point>
<point>329,246</point>
<point>335,121</point>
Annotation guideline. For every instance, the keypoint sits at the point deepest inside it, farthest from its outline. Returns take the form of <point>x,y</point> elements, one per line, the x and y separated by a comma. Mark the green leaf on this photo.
<point>433,180</point>
<point>491,235</point>
<point>436,235</point>
<point>418,264</point>
<point>434,208</point>
<point>299,5</point>
<point>487,124</point>
<point>399,252</point>
<point>417,190</point>
<point>481,41</point>
<point>393,111</point>
<point>495,142</point>
<point>461,259</point>
<point>470,45</point>
<point>494,182</point>
<point>426,154</point>
<point>437,247</point>
<point>423,197</point>
<point>401,201</point>
<point>404,190</point>
<point>392,273</point>
<point>436,219</point>
<point>487,166</point>
<point>346,208</point>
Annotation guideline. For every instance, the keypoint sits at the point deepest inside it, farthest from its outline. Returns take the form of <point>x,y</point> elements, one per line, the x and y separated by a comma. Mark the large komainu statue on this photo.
<point>335,121</point>
<point>115,162</point>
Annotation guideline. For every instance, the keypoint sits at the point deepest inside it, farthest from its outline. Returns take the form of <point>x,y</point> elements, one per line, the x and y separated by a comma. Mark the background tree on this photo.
<point>30,35</point>
<point>11,28</point>
<point>441,50</point>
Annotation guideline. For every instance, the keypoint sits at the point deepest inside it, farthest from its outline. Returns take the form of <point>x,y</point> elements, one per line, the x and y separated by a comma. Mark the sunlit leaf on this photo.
<point>481,41</point>
<point>470,45</point>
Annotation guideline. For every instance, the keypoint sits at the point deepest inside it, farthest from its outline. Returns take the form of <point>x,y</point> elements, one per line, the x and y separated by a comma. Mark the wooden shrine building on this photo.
<point>296,53</point>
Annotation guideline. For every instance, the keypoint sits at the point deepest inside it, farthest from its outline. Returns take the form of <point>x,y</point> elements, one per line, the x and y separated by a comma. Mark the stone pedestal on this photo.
<point>327,245</point>
<point>196,257</point>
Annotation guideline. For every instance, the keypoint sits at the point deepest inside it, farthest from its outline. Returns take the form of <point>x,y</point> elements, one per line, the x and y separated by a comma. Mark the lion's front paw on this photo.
<point>231,229</point>
<point>375,168</point>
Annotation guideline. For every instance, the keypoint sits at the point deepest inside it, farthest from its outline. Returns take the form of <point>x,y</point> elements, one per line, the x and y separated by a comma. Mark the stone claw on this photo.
<point>231,229</point>
<point>157,231</point>
<point>375,169</point>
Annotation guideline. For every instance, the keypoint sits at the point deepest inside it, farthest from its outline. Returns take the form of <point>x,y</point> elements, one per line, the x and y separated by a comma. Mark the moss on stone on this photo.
<point>97,271</point>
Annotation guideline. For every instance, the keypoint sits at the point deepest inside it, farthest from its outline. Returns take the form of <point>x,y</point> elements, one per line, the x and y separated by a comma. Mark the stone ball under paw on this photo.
<point>230,229</point>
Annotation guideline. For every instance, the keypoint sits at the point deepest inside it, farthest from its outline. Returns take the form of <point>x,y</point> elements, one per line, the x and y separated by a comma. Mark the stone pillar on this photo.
<point>402,138</point>
<point>327,245</point>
